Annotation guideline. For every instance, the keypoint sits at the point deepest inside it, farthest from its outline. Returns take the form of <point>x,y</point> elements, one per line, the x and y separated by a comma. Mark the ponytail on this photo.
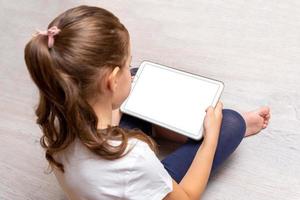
<point>55,97</point>
<point>64,75</point>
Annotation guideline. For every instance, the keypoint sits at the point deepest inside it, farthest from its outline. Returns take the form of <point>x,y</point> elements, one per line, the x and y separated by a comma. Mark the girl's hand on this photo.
<point>212,123</point>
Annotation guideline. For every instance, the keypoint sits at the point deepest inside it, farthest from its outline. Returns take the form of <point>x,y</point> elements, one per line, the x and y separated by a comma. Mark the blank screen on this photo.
<point>170,98</point>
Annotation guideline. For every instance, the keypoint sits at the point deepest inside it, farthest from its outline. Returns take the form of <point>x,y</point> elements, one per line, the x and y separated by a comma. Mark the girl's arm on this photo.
<point>195,180</point>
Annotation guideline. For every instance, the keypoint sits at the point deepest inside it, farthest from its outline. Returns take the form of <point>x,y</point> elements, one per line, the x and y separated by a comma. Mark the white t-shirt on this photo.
<point>138,175</point>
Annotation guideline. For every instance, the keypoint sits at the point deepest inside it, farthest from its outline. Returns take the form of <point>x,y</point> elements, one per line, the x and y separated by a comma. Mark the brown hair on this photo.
<point>91,43</point>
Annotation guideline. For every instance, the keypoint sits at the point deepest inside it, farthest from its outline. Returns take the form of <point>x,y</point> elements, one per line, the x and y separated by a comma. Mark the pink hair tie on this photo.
<point>51,32</point>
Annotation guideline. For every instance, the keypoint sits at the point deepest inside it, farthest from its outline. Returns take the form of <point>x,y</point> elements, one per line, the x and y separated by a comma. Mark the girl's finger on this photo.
<point>219,106</point>
<point>209,109</point>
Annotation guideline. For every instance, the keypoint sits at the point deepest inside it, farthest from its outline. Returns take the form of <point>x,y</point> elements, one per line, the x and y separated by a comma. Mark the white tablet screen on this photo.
<point>177,100</point>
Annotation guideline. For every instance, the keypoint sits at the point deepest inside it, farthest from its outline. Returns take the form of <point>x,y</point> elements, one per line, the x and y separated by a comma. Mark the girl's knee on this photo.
<point>234,121</point>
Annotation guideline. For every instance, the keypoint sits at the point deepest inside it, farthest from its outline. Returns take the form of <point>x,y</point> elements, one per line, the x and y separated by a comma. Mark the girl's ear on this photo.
<point>112,81</point>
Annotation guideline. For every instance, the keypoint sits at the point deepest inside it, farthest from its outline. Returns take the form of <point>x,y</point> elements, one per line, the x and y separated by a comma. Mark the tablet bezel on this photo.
<point>123,109</point>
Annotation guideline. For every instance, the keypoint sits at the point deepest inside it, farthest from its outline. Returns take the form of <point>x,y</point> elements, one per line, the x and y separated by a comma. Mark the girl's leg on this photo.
<point>231,134</point>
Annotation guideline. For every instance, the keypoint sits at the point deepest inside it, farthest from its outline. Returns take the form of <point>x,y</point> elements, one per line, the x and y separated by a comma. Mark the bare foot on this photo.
<point>256,120</point>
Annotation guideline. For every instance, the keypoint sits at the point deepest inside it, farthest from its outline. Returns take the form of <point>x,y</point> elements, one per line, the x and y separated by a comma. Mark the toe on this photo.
<point>264,112</point>
<point>267,118</point>
<point>265,126</point>
<point>266,123</point>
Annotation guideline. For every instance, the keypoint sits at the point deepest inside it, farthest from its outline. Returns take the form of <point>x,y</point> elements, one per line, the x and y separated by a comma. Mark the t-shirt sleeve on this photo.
<point>147,178</point>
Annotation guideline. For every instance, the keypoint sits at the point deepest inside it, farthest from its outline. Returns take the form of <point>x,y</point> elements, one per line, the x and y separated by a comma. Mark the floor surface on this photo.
<point>253,46</point>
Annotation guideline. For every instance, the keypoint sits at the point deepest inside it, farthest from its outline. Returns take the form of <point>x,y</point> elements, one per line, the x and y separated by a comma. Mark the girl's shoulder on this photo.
<point>78,151</point>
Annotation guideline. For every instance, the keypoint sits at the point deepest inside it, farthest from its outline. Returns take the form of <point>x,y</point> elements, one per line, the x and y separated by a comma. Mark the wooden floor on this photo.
<point>253,46</point>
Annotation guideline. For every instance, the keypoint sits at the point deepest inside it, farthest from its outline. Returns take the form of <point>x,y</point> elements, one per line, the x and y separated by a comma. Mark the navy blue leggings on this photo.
<point>231,134</point>
<point>178,162</point>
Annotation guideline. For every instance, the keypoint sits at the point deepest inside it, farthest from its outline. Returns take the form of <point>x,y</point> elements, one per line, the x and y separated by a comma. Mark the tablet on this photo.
<point>171,98</point>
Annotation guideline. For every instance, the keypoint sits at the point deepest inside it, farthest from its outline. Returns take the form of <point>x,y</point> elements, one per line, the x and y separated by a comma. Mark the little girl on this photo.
<point>81,66</point>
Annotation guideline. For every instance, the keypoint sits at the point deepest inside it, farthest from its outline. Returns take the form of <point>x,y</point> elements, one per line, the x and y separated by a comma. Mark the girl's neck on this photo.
<point>104,114</point>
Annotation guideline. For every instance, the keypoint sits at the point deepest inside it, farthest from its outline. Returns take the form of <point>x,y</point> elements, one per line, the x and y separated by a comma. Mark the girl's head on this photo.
<point>88,63</point>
